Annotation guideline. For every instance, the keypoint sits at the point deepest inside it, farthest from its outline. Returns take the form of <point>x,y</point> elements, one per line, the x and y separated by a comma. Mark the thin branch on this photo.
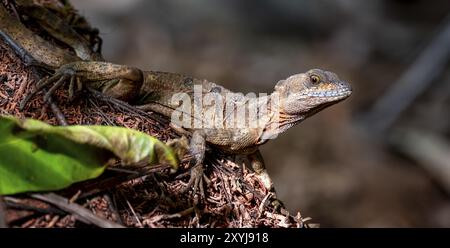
<point>57,112</point>
<point>79,212</point>
<point>180,214</point>
<point>132,211</point>
<point>113,207</point>
<point>28,207</point>
<point>127,107</point>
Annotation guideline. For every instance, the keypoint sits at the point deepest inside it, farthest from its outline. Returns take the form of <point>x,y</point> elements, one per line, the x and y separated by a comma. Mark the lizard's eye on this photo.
<point>314,79</point>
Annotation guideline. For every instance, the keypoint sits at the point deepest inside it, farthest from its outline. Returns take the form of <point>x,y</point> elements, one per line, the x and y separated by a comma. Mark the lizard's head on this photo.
<point>310,92</point>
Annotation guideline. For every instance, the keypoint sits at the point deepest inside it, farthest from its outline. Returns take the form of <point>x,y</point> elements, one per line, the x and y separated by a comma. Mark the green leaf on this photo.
<point>35,156</point>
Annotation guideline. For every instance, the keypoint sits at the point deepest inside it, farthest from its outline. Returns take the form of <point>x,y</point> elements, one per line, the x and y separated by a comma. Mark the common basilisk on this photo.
<point>293,99</point>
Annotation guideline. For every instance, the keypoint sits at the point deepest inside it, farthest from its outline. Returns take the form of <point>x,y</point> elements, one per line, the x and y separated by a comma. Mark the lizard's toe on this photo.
<point>56,81</point>
<point>196,181</point>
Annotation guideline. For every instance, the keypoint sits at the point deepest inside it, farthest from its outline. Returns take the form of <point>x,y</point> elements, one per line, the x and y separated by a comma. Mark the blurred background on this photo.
<point>380,158</point>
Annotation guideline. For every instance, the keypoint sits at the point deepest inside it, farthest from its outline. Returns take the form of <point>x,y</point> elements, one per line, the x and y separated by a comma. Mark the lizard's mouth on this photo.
<point>344,90</point>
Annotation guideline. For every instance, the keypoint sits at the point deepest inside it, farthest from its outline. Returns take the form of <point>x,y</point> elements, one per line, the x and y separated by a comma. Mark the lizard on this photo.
<point>293,100</point>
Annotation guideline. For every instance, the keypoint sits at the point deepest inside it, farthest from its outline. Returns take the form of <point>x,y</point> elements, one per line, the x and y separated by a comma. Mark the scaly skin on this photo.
<point>27,43</point>
<point>57,27</point>
<point>30,47</point>
<point>300,96</point>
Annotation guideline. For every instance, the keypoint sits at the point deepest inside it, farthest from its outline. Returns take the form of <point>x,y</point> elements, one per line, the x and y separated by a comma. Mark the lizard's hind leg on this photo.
<point>257,164</point>
<point>57,79</point>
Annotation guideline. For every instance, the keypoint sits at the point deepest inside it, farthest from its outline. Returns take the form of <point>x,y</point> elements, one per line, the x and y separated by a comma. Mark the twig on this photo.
<point>121,170</point>
<point>102,113</point>
<point>263,203</point>
<point>127,107</point>
<point>224,183</point>
<point>180,214</point>
<point>133,212</point>
<point>113,207</point>
<point>57,112</point>
<point>79,212</point>
<point>75,196</point>
<point>28,207</point>
<point>108,181</point>
<point>52,222</point>
<point>430,64</point>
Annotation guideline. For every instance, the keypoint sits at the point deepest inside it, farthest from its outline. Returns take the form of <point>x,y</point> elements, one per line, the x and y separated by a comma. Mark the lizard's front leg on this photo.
<point>197,150</point>
<point>118,81</point>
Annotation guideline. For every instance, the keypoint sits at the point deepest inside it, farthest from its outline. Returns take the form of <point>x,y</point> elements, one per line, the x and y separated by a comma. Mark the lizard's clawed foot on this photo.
<point>60,77</point>
<point>196,181</point>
